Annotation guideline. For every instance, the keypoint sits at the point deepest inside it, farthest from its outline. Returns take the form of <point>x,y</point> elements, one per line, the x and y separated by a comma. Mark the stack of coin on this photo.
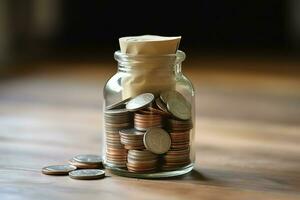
<point>139,161</point>
<point>83,167</point>
<point>180,140</point>
<point>86,161</point>
<point>160,137</point>
<point>174,125</point>
<point>178,155</point>
<point>116,157</point>
<point>116,120</point>
<point>132,138</point>
<point>146,119</point>
<point>174,159</point>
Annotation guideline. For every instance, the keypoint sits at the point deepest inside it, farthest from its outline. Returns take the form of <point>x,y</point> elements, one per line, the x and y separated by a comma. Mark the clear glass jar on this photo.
<point>138,74</point>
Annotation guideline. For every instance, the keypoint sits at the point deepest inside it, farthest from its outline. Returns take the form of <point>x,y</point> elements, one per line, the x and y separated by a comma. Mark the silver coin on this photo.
<point>171,94</point>
<point>113,165</point>
<point>140,101</point>
<point>157,140</point>
<point>87,174</point>
<point>179,108</point>
<point>121,111</point>
<point>168,94</point>
<point>58,169</point>
<point>88,159</point>
<point>161,105</point>
<point>118,105</point>
<point>84,165</point>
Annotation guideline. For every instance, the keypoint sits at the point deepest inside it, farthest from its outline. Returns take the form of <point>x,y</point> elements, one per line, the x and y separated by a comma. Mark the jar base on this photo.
<point>151,175</point>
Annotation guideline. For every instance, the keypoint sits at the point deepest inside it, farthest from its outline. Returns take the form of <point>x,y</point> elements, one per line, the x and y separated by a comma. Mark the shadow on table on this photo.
<point>195,175</point>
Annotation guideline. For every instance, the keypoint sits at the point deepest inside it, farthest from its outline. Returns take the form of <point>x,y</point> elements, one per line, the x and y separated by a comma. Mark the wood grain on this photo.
<point>247,136</point>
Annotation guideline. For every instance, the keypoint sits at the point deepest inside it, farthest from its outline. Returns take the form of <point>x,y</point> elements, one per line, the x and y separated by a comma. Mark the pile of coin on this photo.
<point>116,120</point>
<point>86,161</point>
<point>83,167</point>
<point>132,139</point>
<point>141,161</point>
<point>174,159</point>
<point>179,154</point>
<point>180,133</point>
<point>146,119</point>
<point>156,137</point>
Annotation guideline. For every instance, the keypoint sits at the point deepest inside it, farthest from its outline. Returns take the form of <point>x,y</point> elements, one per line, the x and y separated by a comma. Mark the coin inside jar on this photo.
<point>177,105</point>
<point>118,105</point>
<point>140,101</point>
<point>157,140</point>
<point>179,109</point>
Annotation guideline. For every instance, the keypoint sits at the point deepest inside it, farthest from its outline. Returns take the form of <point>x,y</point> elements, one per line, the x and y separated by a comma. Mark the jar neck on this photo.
<point>170,63</point>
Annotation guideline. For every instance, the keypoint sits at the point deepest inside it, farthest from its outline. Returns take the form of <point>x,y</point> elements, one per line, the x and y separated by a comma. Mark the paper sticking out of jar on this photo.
<point>151,67</point>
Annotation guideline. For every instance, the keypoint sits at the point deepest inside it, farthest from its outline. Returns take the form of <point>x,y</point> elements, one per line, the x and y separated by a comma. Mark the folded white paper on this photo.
<point>149,75</point>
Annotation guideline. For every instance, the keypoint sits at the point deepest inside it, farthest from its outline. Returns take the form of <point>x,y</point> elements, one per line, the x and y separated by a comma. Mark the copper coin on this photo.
<point>84,165</point>
<point>162,106</point>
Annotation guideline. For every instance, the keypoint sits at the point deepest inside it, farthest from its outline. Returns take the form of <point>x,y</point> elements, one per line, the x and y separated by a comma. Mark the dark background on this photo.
<point>63,29</point>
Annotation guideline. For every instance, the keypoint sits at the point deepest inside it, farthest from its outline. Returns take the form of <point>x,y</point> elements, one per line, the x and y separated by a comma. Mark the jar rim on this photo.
<point>119,56</point>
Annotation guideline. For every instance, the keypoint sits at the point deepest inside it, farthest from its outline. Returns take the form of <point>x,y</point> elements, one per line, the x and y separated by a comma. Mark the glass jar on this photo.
<point>126,148</point>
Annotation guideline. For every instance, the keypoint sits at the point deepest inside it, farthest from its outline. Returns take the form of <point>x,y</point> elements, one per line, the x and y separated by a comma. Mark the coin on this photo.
<point>161,106</point>
<point>116,120</point>
<point>157,140</point>
<point>179,125</point>
<point>132,139</point>
<point>116,111</point>
<point>88,159</point>
<point>179,109</point>
<point>176,103</point>
<point>58,169</point>
<point>84,165</point>
<point>118,105</point>
<point>140,161</point>
<point>157,111</point>
<point>87,174</point>
<point>140,101</point>
<point>175,159</point>
<point>144,121</point>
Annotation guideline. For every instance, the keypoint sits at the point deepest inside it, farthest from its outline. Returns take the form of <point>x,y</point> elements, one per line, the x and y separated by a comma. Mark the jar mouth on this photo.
<point>177,57</point>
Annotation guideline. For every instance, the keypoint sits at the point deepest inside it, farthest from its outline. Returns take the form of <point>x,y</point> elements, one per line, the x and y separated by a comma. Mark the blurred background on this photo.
<point>35,30</point>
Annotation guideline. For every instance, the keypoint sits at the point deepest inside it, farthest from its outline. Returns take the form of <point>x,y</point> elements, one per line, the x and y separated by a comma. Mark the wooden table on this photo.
<point>247,135</point>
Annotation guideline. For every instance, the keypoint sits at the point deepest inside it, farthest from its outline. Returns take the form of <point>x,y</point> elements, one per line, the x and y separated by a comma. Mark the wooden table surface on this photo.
<point>247,135</point>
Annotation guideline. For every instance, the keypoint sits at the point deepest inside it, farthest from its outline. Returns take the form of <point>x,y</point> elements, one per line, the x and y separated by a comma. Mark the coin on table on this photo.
<point>118,105</point>
<point>80,165</point>
<point>157,140</point>
<point>87,174</point>
<point>88,159</point>
<point>140,101</point>
<point>58,169</point>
